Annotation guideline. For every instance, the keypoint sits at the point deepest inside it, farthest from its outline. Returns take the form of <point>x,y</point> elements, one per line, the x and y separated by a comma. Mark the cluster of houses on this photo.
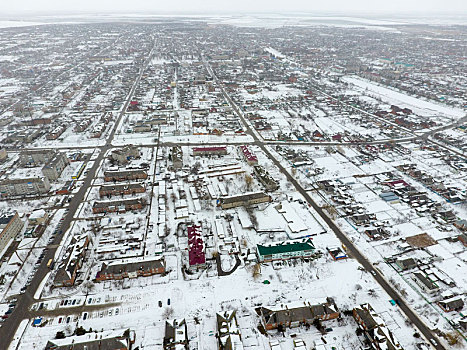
<point>374,329</point>
<point>450,193</point>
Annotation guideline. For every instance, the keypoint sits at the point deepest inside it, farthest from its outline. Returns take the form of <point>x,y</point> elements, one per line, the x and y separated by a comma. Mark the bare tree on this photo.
<point>168,312</point>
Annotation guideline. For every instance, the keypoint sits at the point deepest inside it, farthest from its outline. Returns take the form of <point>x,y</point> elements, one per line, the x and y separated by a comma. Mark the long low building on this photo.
<point>300,248</point>
<point>122,339</point>
<point>295,315</point>
<point>133,269</point>
<point>243,200</point>
<point>125,175</point>
<point>123,189</point>
<point>118,206</point>
<point>210,151</point>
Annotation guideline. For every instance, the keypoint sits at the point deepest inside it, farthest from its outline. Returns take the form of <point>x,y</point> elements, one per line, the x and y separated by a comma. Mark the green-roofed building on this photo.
<point>300,248</point>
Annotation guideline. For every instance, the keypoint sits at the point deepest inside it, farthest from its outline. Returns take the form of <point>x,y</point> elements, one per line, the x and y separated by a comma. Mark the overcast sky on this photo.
<point>223,6</point>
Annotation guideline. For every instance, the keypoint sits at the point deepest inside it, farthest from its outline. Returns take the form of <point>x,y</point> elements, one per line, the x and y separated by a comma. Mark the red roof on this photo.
<point>209,149</point>
<point>248,154</point>
<point>196,253</point>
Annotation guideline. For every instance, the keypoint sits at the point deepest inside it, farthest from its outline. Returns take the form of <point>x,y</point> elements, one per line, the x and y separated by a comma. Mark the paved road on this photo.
<point>352,249</point>
<point>26,300</point>
<point>22,310</point>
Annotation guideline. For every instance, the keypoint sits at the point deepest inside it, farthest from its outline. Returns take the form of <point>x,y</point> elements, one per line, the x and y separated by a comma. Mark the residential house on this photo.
<point>176,335</point>
<point>425,284</point>
<point>35,157</point>
<point>228,331</point>
<point>452,304</point>
<point>196,248</point>
<point>249,156</point>
<point>265,178</point>
<point>3,155</point>
<point>463,239</point>
<point>177,157</point>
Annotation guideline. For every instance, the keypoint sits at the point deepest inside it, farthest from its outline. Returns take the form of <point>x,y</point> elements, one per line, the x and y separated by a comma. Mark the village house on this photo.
<point>176,335</point>
<point>295,315</point>
<point>246,199</point>
<point>118,270</point>
<point>177,157</point>
<point>454,303</point>
<point>424,283</point>
<point>301,248</point>
<point>228,331</point>
<point>406,263</point>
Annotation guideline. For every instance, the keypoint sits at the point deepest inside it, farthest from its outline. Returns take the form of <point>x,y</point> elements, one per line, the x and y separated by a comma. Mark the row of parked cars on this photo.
<point>11,307</point>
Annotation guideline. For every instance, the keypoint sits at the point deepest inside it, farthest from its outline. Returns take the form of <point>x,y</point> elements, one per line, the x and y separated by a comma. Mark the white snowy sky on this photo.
<point>222,6</point>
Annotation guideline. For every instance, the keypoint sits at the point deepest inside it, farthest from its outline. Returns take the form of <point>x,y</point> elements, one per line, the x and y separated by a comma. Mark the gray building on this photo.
<point>54,168</point>
<point>24,187</point>
<point>35,158</point>
<point>10,226</point>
